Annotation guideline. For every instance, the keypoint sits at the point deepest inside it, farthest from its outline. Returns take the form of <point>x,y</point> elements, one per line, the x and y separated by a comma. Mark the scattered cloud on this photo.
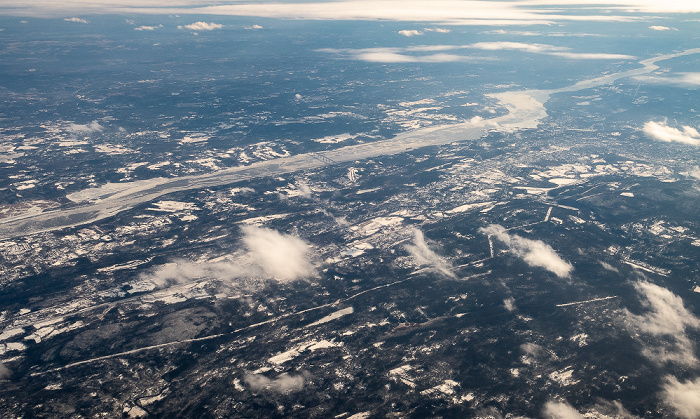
<point>438,30</point>
<point>664,324</point>
<point>517,46</point>
<point>279,256</point>
<point>509,304</point>
<point>201,26</point>
<point>410,32</point>
<point>305,190</point>
<point>283,383</point>
<point>560,410</point>
<point>534,252</point>
<point>446,12</point>
<point>265,254</point>
<point>534,353</point>
<point>391,57</point>
<point>608,409</point>
<point>75,19</point>
<point>662,132</point>
<point>693,173</point>
<point>147,28</point>
<point>593,56</point>
<point>602,409</point>
<point>662,28</point>
<point>253,27</point>
<point>79,129</point>
<point>683,398</point>
<point>411,54</point>
<point>608,266</point>
<point>546,49</point>
<point>682,79</point>
<point>541,33</point>
<point>424,256</point>
<point>5,372</point>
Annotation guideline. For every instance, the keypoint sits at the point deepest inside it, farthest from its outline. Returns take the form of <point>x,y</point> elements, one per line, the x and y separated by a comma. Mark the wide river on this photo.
<point>525,110</point>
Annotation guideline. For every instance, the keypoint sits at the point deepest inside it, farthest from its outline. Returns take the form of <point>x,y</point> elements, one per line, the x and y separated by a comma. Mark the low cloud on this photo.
<point>410,32</point>
<point>283,383</point>
<point>693,173</point>
<point>540,33</point>
<point>683,79</point>
<point>280,256</point>
<point>517,46</point>
<point>390,57</point>
<point>438,30</point>
<point>662,132</point>
<point>602,409</point>
<point>592,56</point>
<point>75,19</point>
<point>202,26</point>
<point>420,53</point>
<point>509,304</point>
<point>662,327</point>
<point>560,410</point>
<point>5,372</point>
<point>253,27</point>
<point>661,28</point>
<point>682,397</point>
<point>78,129</point>
<point>547,50</point>
<point>265,255</point>
<point>148,28</point>
<point>424,256</point>
<point>534,252</point>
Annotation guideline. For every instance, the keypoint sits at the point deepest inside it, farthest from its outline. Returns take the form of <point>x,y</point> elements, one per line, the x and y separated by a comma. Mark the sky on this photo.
<point>442,11</point>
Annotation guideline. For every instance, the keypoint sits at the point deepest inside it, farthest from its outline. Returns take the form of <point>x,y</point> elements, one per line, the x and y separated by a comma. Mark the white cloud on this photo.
<point>424,256</point>
<point>75,19</point>
<point>392,57</point>
<point>266,254</point>
<point>280,256</point>
<point>560,410</point>
<point>283,383</point>
<point>408,54</point>
<point>5,372</point>
<point>664,322</point>
<point>477,12</point>
<point>79,129</point>
<point>253,27</point>
<point>305,190</point>
<point>661,28</point>
<point>592,56</point>
<point>147,28</point>
<point>603,409</point>
<point>438,30</point>
<point>509,304</point>
<point>683,79</point>
<point>694,173</point>
<point>541,33</point>
<point>517,46</point>
<point>410,32</point>
<point>534,252</point>
<point>662,132</point>
<point>683,398</point>
<point>202,26</point>
<point>607,409</point>
<point>547,49</point>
